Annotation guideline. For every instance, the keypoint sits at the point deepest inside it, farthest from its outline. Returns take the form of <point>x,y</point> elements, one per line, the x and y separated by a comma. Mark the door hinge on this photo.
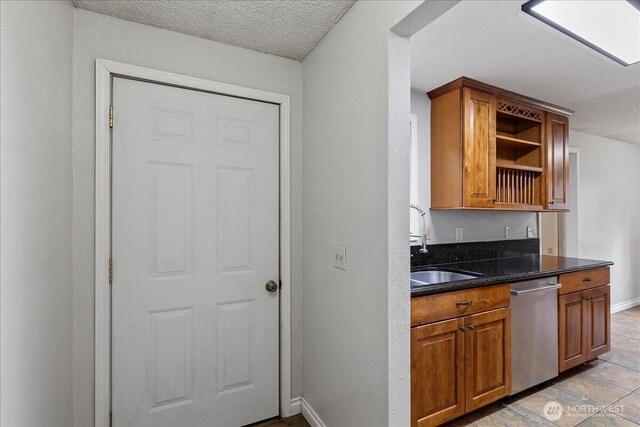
<point>110,271</point>
<point>111,116</point>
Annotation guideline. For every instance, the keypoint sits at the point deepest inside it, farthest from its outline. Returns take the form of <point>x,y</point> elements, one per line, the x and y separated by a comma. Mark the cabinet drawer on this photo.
<point>432,308</point>
<point>581,280</point>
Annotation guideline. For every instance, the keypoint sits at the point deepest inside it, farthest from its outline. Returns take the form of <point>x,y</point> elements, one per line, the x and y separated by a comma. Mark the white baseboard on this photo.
<point>624,305</point>
<point>296,406</point>
<point>310,415</point>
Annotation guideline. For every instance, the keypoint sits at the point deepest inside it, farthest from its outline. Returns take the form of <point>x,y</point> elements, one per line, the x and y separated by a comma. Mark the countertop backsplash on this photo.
<point>472,251</point>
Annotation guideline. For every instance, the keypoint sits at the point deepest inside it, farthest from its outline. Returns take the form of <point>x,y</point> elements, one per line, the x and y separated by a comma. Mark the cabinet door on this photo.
<point>488,357</point>
<point>598,330</point>
<point>479,179</point>
<point>437,372</point>
<point>557,170</point>
<point>572,330</point>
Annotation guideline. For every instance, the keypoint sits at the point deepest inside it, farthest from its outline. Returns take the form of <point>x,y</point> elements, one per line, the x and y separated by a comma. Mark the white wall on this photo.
<point>477,225</point>
<point>609,210</point>
<point>102,36</point>
<point>346,180</point>
<point>35,356</point>
<point>549,243</point>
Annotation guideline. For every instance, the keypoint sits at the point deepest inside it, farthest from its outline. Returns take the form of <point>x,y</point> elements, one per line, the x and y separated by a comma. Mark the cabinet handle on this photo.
<point>586,279</point>
<point>467,303</point>
<point>470,327</point>
<point>462,328</point>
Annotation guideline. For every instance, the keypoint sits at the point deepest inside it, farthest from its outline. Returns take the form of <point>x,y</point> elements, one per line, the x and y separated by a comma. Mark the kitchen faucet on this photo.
<point>423,247</point>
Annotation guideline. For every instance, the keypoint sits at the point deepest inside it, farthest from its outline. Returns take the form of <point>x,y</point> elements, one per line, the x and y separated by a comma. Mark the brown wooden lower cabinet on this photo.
<point>488,357</point>
<point>584,326</point>
<point>437,372</point>
<point>459,365</point>
<point>599,329</point>
<point>572,332</point>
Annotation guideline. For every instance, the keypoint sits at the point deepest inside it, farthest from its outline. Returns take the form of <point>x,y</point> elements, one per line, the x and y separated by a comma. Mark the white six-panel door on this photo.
<point>194,241</point>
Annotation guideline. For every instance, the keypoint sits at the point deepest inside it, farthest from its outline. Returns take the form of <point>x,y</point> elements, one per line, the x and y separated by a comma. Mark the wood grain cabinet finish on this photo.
<point>584,320</point>
<point>437,372</point>
<point>479,149</point>
<point>557,168</point>
<point>582,280</point>
<point>488,357</point>
<point>496,149</point>
<point>459,365</point>
<point>448,305</point>
<point>572,334</point>
<point>599,327</point>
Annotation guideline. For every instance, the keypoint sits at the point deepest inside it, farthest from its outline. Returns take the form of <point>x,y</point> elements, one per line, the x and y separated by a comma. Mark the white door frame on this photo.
<point>105,70</point>
<point>562,232</point>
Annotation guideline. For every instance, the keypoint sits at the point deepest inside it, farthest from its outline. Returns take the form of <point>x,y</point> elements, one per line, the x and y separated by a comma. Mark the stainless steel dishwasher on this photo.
<point>534,333</point>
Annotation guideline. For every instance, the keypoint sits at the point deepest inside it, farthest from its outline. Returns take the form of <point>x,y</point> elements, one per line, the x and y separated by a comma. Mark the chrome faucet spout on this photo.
<point>423,247</point>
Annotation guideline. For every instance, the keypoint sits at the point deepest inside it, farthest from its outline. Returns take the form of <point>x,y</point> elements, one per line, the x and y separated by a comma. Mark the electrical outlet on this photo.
<point>459,234</point>
<point>507,232</point>
<point>428,233</point>
<point>530,234</point>
<point>340,257</point>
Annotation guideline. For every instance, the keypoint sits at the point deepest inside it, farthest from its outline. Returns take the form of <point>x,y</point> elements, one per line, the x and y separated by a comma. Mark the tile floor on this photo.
<point>613,380</point>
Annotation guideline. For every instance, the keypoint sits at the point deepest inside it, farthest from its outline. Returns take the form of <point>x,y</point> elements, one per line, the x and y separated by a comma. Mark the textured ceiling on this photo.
<point>280,27</point>
<point>495,42</point>
<point>615,115</point>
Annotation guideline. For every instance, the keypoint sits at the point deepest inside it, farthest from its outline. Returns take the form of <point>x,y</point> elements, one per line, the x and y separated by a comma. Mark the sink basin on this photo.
<point>432,277</point>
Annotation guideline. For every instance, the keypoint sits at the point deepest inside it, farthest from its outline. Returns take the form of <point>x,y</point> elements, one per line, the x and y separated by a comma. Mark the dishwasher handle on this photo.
<point>549,287</point>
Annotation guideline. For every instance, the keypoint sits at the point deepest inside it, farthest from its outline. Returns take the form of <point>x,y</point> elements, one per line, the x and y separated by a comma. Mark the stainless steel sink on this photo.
<point>432,277</point>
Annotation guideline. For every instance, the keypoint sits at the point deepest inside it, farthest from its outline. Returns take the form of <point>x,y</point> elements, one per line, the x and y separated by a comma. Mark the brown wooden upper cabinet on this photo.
<point>557,130</point>
<point>495,149</point>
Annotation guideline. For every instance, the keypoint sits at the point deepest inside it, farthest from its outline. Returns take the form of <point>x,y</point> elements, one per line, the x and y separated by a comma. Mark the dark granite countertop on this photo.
<point>506,270</point>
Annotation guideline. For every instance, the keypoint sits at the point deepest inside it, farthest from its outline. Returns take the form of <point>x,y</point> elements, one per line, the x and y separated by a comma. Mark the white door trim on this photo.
<point>105,70</point>
<point>562,230</point>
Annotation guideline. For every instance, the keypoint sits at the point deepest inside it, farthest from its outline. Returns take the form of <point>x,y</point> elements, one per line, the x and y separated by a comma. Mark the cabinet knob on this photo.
<point>470,327</point>
<point>462,328</point>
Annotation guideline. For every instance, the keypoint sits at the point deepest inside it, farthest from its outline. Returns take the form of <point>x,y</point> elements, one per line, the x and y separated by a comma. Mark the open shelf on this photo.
<point>508,123</point>
<point>512,143</point>
<point>512,166</point>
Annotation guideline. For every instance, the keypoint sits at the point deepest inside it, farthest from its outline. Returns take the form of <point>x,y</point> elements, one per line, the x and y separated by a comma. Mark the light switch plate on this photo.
<point>340,257</point>
<point>507,231</point>
<point>530,232</point>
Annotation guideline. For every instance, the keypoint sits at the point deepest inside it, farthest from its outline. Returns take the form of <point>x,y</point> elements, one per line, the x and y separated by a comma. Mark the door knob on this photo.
<point>271,286</point>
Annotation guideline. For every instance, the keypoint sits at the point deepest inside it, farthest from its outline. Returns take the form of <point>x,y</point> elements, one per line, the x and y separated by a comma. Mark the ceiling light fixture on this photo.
<point>610,27</point>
